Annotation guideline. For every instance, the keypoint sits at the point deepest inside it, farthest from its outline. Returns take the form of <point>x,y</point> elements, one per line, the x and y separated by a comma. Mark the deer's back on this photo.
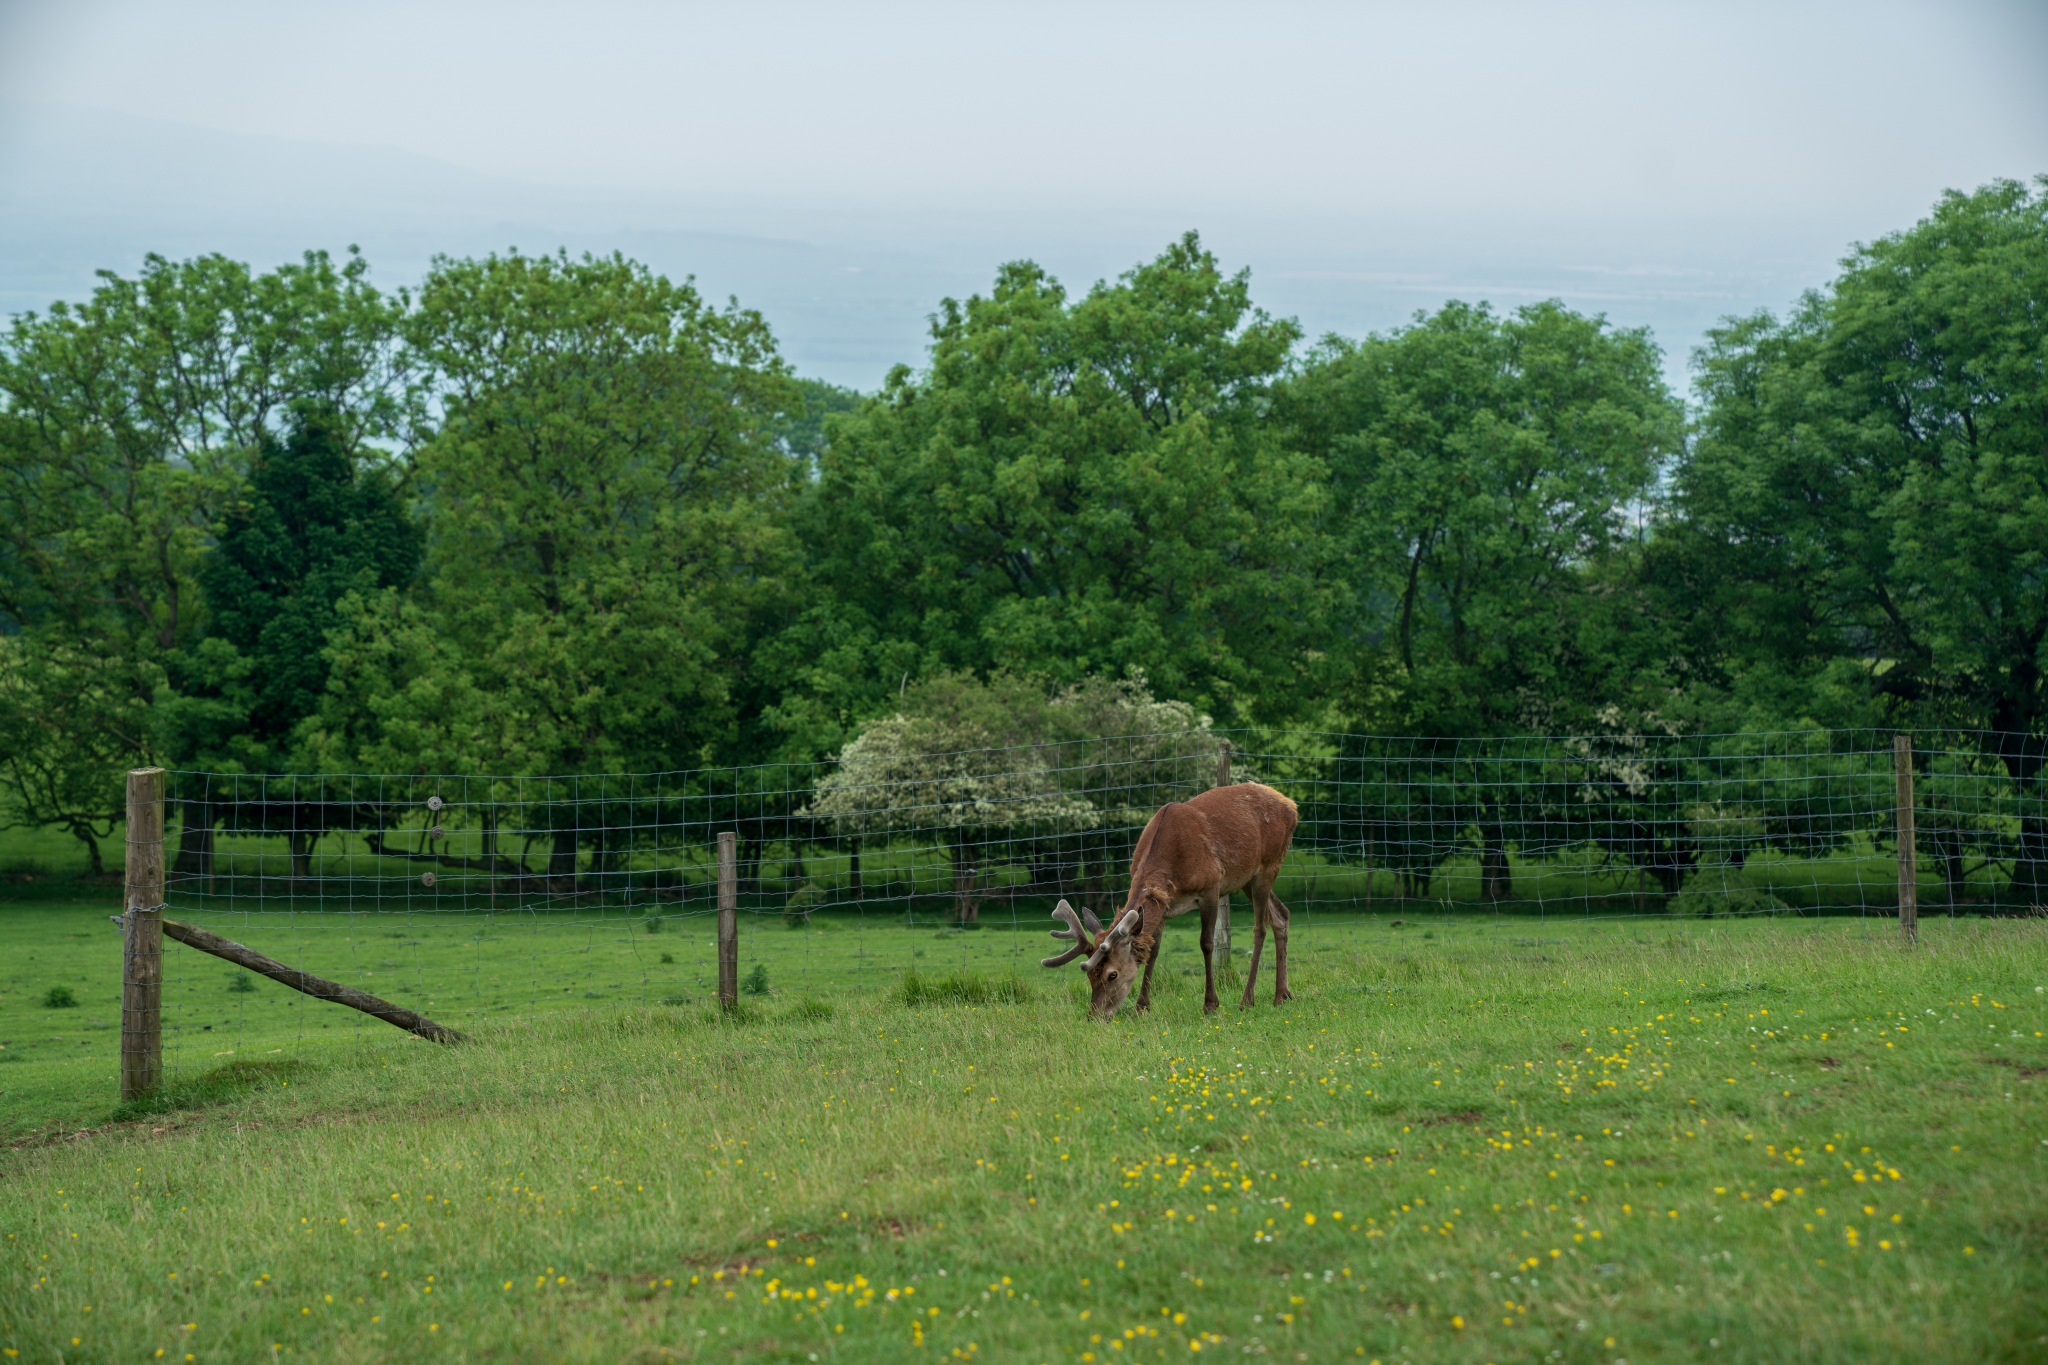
<point>1222,838</point>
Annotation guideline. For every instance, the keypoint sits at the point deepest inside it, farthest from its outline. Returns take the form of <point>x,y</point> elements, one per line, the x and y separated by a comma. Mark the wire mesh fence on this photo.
<point>472,899</point>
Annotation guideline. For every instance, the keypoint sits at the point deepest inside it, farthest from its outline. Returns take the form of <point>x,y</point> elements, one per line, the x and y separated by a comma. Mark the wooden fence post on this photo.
<point>728,920</point>
<point>142,954</point>
<point>1219,947</point>
<point>1909,853</point>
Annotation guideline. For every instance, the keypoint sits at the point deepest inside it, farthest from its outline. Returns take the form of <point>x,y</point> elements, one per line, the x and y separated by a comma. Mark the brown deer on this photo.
<point>1191,853</point>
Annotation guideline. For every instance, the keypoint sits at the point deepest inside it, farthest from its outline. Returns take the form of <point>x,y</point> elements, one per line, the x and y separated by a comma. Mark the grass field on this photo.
<point>1785,1140</point>
<point>472,969</point>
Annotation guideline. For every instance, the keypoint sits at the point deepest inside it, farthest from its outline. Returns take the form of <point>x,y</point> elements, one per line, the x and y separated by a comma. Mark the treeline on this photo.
<point>543,515</point>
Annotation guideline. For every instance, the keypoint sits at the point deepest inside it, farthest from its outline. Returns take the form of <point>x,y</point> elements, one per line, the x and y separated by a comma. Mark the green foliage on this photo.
<point>1071,489</point>
<point>796,911</point>
<point>59,998</point>
<point>1723,836</point>
<point>802,430</point>
<point>128,425</point>
<point>756,981</point>
<point>1482,469</point>
<point>1868,495</point>
<point>311,528</point>
<point>1006,754</point>
<point>241,983</point>
<point>563,516</point>
<point>70,721</point>
<point>605,486</point>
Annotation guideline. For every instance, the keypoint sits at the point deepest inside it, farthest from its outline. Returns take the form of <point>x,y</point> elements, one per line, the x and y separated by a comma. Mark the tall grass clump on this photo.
<point>813,1008</point>
<point>960,988</point>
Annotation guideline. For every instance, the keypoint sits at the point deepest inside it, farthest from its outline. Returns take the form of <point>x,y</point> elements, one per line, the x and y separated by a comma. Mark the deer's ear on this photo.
<point>1088,918</point>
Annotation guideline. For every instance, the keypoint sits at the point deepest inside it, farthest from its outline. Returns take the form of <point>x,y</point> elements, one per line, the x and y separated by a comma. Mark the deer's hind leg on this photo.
<point>1279,916</point>
<point>1251,970</point>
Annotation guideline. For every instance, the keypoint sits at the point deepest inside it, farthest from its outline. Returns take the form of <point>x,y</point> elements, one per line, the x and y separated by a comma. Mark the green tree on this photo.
<point>1483,469</point>
<point>69,724</point>
<point>1071,488</point>
<point>801,431</point>
<point>127,426</point>
<point>1006,770</point>
<point>607,500</point>
<point>310,527</point>
<point>1870,485</point>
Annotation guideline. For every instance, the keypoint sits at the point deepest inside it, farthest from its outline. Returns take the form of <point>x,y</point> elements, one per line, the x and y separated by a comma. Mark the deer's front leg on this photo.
<point>1144,1005</point>
<point>1212,909</point>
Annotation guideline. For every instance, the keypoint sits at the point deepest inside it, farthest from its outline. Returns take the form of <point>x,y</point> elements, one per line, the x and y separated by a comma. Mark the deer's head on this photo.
<point>1109,959</point>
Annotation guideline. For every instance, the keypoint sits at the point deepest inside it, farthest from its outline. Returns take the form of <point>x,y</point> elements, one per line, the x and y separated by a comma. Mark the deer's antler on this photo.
<point>1073,931</point>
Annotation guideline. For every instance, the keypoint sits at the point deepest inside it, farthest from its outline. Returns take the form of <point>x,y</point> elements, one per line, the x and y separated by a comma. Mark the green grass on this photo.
<point>474,969</point>
<point>960,988</point>
<point>1587,1149</point>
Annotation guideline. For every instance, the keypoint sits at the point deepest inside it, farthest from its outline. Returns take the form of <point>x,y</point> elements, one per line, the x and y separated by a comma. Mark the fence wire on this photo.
<point>477,899</point>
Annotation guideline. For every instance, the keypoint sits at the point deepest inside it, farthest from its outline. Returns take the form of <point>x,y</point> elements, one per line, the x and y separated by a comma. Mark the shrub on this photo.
<point>757,980</point>
<point>241,983</point>
<point>796,914</point>
<point>961,988</point>
<point>59,998</point>
<point>668,959</point>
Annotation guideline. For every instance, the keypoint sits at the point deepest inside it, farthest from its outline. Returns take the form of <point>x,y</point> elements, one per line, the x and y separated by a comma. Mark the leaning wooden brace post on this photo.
<point>206,941</point>
<point>728,921</point>
<point>142,953</point>
<point>1909,854</point>
<point>1220,947</point>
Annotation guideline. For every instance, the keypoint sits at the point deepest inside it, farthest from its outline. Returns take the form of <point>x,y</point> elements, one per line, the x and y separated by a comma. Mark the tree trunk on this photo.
<point>2030,862</point>
<point>92,849</point>
<point>1496,882</point>
<point>495,861</point>
<point>853,872</point>
<point>2023,756</point>
<point>562,862</point>
<point>748,875</point>
<point>604,860</point>
<point>966,905</point>
<point>301,842</point>
<point>195,841</point>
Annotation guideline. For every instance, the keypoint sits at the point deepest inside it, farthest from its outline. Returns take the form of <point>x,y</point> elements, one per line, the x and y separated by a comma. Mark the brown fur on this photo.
<point>1196,853</point>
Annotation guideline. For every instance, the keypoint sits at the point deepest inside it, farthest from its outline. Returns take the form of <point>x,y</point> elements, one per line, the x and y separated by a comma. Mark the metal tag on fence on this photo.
<point>426,879</point>
<point>433,803</point>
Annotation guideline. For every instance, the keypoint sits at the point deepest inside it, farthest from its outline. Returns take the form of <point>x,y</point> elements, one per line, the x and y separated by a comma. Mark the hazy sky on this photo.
<point>842,166</point>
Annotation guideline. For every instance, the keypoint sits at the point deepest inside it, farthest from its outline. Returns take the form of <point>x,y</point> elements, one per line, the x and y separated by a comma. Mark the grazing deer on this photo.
<point>1191,853</point>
